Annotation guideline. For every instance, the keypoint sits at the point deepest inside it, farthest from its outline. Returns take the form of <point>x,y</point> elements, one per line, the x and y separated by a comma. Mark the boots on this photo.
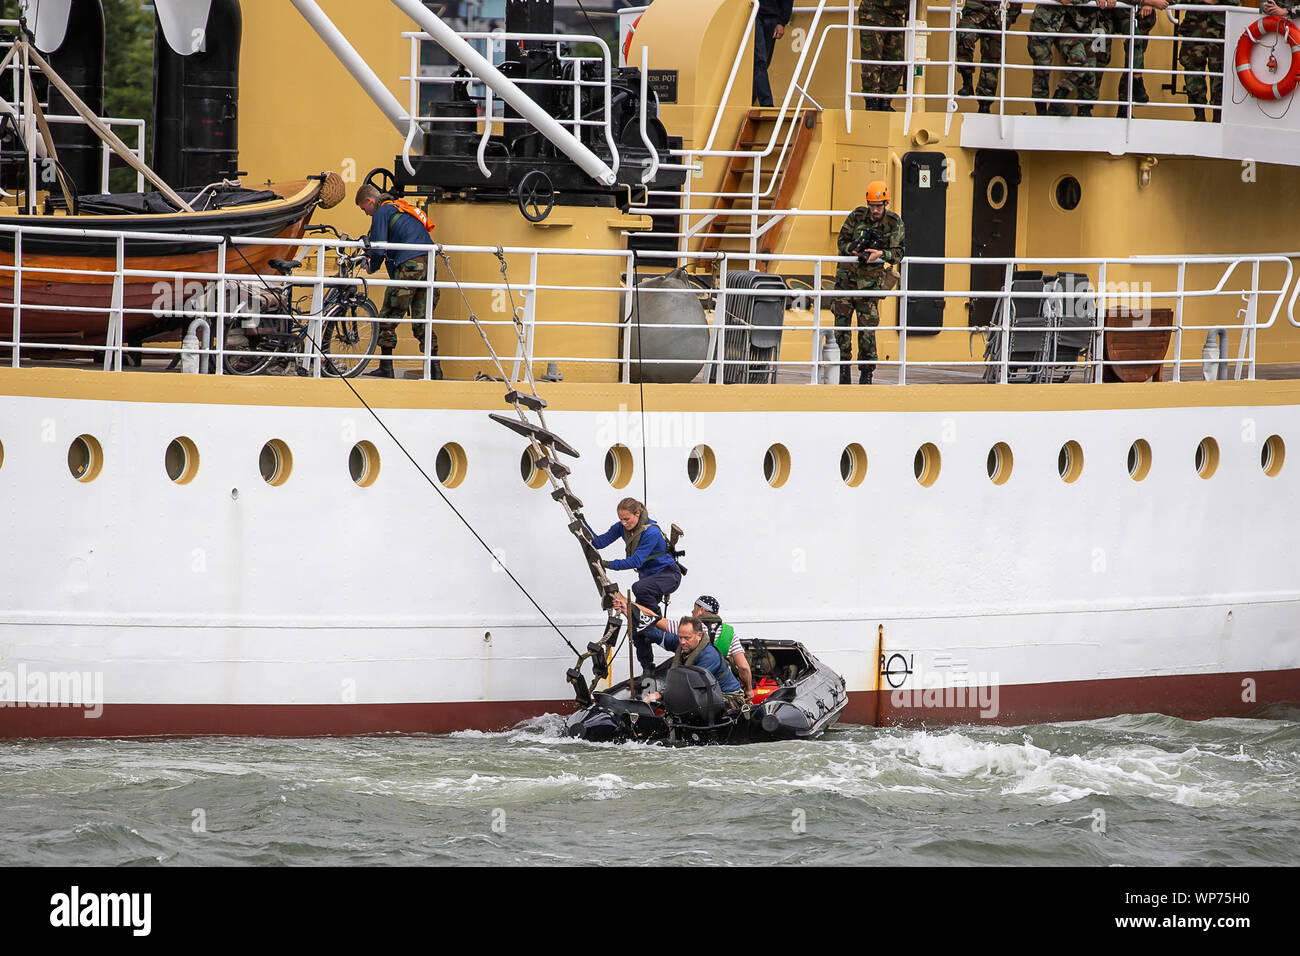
<point>1085,109</point>
<point>1059,106</point>
<point>846,374</point>
<point>985,105</point>
<point>967,83</point>
<point>864,374</point>
<point>1121,94</point>
<point>385,369</point>
<point>1140,91</point>
<point>1040,108</point>
<point>435,371</point>
<point>1198,114</point>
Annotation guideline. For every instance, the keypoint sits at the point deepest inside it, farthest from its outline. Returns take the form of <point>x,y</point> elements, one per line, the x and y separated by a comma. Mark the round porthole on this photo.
<point>1067,193</point>
<point>1139,460</point>
<point>1069,461</point>
<point>701,466</point>
<point>999,463</point>
<point>618,466</point>
<point>533,476</point>
<point>181,460</point>
<point>853,465</point>
<point>363,463</point>
<point>1271,456</point>
<point>1207,457</point>
<point>776,465</point>
<point>997,192</point>
<point>2,454</point>
<point>926,463</point>
<point>85,458</point>
<point>275,462</point>
<point>451,465</point>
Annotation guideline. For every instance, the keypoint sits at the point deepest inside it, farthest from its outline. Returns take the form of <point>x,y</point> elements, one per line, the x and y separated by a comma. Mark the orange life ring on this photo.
<point>1256,87</point>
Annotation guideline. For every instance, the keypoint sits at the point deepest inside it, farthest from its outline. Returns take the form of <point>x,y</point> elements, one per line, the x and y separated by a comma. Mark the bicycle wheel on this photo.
<point>349,337</point>
<point>237,341</point>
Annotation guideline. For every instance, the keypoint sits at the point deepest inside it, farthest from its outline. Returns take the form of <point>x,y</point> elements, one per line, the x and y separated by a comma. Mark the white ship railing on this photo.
<point>1246,293</point>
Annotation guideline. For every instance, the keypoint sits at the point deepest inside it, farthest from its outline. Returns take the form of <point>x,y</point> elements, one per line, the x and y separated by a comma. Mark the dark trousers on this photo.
<point>764,44</point>
<point>649,592</point>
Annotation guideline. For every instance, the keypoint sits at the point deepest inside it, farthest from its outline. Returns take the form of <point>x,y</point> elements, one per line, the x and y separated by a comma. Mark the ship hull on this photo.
<point>230,606</point>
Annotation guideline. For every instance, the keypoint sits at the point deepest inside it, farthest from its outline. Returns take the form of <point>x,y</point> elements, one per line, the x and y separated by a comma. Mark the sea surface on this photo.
<point>1135,790</point>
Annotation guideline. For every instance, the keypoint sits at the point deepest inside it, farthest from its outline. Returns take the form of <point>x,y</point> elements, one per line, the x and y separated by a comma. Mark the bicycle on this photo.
<point>269,327</point>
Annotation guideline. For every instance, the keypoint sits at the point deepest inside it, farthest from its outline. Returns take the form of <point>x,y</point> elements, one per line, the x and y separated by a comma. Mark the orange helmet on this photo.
<point>877,191</point>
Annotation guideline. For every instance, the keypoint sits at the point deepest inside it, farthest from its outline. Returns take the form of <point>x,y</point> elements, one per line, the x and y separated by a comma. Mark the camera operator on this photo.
<point>875,236</point>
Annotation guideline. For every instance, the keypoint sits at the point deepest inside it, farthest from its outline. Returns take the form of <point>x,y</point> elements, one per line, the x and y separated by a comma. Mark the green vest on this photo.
<point>720,633</point>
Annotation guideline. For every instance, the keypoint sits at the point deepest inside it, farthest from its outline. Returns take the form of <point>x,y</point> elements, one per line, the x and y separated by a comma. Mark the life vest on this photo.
<point>632,539</point>
<point>402,206</point>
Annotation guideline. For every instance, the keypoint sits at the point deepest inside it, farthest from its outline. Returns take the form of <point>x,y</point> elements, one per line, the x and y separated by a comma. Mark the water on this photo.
<point>1137,790</point>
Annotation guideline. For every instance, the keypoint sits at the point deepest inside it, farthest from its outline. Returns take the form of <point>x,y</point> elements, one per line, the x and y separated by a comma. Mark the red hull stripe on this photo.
<point>1192,697</point>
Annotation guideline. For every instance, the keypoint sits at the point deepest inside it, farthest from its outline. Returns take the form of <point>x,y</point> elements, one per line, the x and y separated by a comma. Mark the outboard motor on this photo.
<point>71,35</point>
<point>692,695</point>
<point>196,91</point>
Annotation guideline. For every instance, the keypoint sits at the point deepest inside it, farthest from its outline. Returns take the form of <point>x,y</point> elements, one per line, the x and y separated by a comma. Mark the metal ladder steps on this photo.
<point>543,437</point>
<point>531,402</point>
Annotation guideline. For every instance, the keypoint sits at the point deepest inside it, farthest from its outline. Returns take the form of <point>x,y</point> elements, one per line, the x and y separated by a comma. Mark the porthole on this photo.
<point>701,466</point>
<point>1067,193</point>
<point>1139,460</point>
<point>1271,456</point>
<point>2,454</point>
<point>1207,457</point>
<point>997,192</point>
<point>1069,461</point>
<point>85,458</point>
<point>999,463</point>
<point>776,465</point>
<point>853,465</point>
<point>925,464</point>
<point>275,462</point>
<point>181,460</point>
<point>618,466</point>
<point>451,465</point>
<point>533,476</point>
<point>363,463</point>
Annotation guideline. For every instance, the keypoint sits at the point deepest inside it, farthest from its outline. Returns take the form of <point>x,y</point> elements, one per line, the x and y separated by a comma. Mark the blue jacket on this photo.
<point>652,542</point>
<point>712,662</point>
<point>393,225</point>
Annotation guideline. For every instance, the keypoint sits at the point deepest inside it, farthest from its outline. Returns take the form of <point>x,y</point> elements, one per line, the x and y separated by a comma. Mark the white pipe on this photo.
<point>354,64</point>
<point>472,60</point>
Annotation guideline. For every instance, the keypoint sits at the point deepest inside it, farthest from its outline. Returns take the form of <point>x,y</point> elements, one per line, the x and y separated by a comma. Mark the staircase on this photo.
<point>738,181</point>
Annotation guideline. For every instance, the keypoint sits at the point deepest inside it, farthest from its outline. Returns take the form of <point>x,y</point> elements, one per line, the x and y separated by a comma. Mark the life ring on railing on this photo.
<point>1260,89</point>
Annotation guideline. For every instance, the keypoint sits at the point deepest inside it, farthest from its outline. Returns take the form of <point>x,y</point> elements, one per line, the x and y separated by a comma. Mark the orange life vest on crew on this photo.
<point>401,205</point>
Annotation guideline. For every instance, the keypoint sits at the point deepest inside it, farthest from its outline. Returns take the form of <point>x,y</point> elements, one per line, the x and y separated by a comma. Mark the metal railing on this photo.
<point>1242,295</point>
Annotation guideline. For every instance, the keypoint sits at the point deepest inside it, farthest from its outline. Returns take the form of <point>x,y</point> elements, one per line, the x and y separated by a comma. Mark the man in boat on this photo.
<point>648,554</point>
<point>875,236</point>
<point>396,220</point>
<point>773,16</point>
<point>721,634</point>
<point>694,649</point>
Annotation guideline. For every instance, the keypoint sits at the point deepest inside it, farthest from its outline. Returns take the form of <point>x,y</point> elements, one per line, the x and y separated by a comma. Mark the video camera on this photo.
<point>872,238</point>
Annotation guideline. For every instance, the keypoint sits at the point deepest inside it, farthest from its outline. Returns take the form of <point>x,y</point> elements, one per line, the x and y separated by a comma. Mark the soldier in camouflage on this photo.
<point>986,16</point>
<point>1197,59</point>
<point>1270,9</point>
<point>878,81</point>
<point>1055,18</point>
<point>1116,23</point>
<point>872,223</point>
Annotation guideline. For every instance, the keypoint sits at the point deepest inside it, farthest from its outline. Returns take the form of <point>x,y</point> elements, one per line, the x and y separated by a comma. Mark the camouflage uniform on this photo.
<point>1197,59</point>
<point>882,45</point>
<point>982,15</point>
<point>860,276</point>
<point>1076,52</point>
<point>401,301</point>
<point>1115,23</point>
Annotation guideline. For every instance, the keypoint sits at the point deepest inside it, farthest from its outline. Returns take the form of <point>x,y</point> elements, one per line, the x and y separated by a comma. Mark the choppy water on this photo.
<point>1130,790</point>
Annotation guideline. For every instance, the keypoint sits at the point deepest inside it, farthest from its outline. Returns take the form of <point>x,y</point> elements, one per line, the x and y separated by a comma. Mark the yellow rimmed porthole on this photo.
<point>999,463</point>
<point>85,458</point>
<point>533,476</point>
<point>926,463</point>
<point>1271,456</point>
<point>701,466</point>
<point>776,465</point>
<point>451,465</point>
<point>363,463</point>
<point>181,460</point>
<point>1139,460</point>
<point>1207,457</point>
<point>618,466</point>
<point>853,465</point>
<point>1069,462</point>
<point>275,462</point>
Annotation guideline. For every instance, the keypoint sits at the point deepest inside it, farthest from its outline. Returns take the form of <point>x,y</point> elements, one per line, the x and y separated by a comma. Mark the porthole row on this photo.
<point>181,459</point>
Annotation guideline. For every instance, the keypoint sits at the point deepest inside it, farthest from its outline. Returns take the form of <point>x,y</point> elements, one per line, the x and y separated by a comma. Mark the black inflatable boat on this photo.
<point>796,697</point>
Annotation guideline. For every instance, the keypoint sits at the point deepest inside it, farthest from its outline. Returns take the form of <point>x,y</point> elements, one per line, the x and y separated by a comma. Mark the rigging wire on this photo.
<point>423,473</point>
